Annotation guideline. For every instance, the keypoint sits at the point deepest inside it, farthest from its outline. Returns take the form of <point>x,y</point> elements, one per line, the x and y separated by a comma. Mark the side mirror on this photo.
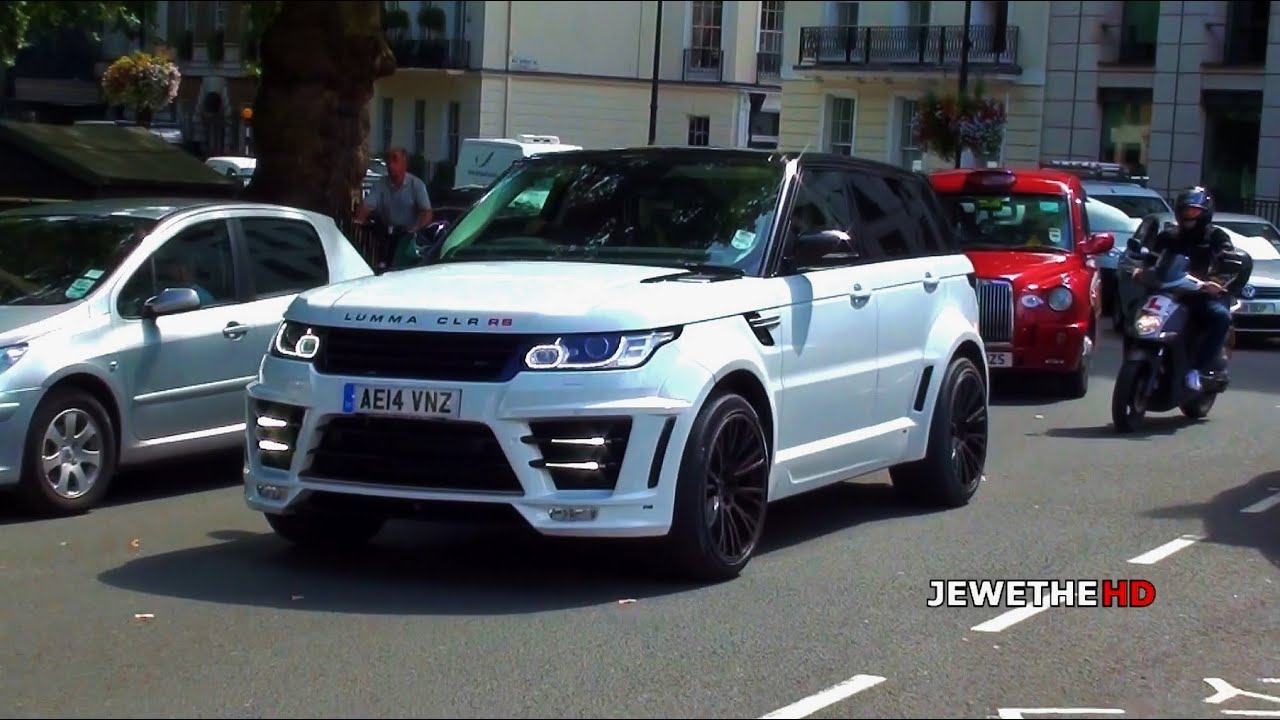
<point>171,301</point>
<point>1099,243</point>
<point>1134,246</point>
<point>812,247</point>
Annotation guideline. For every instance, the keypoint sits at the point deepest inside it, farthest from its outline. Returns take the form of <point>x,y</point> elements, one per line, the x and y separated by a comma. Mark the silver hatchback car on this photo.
<point>130,328</point>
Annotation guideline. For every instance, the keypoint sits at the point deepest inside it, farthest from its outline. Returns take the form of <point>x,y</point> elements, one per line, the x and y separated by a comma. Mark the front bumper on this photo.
<point>16,409</point>
<point>497,451</point>
<point>1052,347</point>
<point>1257,316</point>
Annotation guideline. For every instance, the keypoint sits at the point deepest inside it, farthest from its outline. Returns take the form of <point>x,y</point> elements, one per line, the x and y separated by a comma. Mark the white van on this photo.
<point>482,160</point>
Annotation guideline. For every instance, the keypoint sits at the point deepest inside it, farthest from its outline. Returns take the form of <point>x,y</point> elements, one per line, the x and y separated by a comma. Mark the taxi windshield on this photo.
<point>1011,221</point>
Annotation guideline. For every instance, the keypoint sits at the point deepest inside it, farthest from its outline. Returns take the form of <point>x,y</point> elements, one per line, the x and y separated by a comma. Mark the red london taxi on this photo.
<point>1028,237</point>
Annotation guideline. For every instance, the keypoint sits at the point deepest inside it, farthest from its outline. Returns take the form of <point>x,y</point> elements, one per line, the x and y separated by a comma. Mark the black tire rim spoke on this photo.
<point>736,487</point>
<point>968,430</point>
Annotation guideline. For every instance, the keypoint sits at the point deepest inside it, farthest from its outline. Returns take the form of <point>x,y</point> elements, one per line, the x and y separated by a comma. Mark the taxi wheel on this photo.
<point>70,454</point>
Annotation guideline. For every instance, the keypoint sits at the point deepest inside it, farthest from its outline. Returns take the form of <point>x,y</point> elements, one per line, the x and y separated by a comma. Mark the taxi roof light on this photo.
<point>990,179</point>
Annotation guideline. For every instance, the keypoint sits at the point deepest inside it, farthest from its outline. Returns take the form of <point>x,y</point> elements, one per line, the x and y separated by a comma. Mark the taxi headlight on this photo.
<point>1060,298</point>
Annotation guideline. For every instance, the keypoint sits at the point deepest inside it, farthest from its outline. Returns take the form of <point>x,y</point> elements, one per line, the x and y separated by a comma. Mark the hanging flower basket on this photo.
<point>946,126</point>
<point>142,82</point>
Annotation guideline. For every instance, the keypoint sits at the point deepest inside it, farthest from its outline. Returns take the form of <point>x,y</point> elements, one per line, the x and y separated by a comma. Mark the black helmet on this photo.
<point>1194,208</point>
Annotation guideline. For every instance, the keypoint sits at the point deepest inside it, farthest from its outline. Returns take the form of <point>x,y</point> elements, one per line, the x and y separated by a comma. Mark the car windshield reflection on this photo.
<point>1011,222</point>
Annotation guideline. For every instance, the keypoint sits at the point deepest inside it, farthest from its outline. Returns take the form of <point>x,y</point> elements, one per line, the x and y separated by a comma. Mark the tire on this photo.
<point>324,531</point>
<point>1076,384</point>
<point>80,481</point>
<point>959,431</point>
<point>1126,414</point>
<point>701,544</point>
<point>1117,316</point>
<point>1199,408</point>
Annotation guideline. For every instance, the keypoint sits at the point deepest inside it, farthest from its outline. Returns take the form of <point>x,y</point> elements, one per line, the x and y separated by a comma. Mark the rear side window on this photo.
<point>923,209</point>
<point>285,256</point>
<point>888,230</point>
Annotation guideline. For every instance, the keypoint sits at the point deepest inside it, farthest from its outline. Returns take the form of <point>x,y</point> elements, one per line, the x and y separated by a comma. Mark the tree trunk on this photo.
<point>311,114</point>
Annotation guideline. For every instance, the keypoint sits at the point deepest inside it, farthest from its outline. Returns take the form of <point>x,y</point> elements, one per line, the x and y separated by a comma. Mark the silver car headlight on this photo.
<point>11,354</point>
<point>295,341</point>
<point>598,351</point>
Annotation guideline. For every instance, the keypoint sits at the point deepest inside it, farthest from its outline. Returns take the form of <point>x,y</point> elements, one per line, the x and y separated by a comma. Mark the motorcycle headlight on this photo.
<point>295,342</point>
<point>1060,298</point>
<point>598,351</point>
<point>1147,324</point>
<point>10,355</point>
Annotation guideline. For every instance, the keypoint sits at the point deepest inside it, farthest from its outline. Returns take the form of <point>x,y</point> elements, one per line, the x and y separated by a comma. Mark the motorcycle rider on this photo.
<point>1203,244</point>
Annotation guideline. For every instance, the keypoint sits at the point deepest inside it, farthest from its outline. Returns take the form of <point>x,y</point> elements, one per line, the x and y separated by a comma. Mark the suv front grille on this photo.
<point>581,454</point>
<point>414,355</point>
<point>424,454</point>
<point>995,310</point>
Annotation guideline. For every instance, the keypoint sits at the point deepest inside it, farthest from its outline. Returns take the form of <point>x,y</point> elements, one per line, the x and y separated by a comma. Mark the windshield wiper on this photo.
<point>727,270</point>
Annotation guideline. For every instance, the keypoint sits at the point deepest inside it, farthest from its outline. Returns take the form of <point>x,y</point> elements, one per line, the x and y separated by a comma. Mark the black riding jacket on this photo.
<point>1202,247</point>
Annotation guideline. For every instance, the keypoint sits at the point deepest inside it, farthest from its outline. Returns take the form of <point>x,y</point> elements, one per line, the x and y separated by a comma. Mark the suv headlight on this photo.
<point>1060,298</point>
<point>11,354</point>
<point>598,351</point>
<point>295,341</point>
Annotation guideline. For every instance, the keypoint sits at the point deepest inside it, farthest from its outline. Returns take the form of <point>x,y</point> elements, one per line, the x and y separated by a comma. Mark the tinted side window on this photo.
<point>198,258</point>
<point>822,203</point>
<point>888,230</point>
<point>922,210</point>
<point>285,256</point>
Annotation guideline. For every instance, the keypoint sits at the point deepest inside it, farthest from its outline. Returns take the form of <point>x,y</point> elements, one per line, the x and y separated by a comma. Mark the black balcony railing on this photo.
<point>432,53</point>
<point>908,47</point>
<point>1133,52</point>
<point>703,65</point>
<point>768,67</point>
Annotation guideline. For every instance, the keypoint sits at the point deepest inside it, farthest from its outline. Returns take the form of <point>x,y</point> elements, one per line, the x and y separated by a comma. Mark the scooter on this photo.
<point>1161,339</point>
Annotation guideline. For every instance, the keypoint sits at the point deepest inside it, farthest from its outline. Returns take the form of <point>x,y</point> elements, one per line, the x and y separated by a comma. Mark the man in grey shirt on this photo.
<point>398,200</point>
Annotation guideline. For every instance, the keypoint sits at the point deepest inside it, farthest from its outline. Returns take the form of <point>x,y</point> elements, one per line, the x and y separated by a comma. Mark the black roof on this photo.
<point>722,153</point>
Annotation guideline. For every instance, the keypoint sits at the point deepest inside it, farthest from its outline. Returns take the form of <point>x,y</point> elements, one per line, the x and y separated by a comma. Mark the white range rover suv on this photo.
<point>652,342</point>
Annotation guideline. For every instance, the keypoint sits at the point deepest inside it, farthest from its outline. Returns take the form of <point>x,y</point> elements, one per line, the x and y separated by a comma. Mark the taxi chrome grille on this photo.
<point>995,310</point>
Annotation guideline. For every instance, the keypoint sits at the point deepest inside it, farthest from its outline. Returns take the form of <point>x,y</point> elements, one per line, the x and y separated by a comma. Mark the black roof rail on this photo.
<point>1093,170</point>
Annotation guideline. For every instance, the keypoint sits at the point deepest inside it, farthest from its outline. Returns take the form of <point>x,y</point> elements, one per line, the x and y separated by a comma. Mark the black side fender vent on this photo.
<point>762,326</point>
<point>923,390</point>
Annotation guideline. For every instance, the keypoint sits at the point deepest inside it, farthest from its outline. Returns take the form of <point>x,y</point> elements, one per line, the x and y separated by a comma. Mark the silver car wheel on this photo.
<point>71,453</point>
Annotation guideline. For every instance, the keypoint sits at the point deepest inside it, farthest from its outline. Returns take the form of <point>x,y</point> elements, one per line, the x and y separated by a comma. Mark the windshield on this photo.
<point>1253,228</point>
<point>60,259</point>
<point>1103,217</point>
<point>1135,206</point>
<point>656,209</point>
<point>1011,222</point>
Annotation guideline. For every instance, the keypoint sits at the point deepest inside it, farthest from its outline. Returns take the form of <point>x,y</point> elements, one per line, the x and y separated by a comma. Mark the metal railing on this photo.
<point>768,68</point>
<point>432,53</point>
<point>703,65</point>
<point>908,46</point>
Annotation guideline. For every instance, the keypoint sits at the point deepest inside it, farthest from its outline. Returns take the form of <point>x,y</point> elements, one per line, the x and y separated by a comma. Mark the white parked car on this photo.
<point>666,341</point>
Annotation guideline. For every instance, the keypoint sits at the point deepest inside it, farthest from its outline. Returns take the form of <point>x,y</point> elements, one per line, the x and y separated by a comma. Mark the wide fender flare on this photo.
<point>950,331</point>
<point>723,353</point>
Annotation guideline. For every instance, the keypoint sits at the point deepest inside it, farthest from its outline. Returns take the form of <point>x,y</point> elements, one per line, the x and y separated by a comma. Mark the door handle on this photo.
<point>930,282</point>
<point>235,330</point>
<point>859,297</point>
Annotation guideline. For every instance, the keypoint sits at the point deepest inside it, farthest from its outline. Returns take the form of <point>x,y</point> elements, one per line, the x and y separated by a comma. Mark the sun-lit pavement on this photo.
<point>208,615</point>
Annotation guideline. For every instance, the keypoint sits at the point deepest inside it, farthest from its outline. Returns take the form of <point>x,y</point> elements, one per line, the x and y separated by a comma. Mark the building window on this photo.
<point>1126,133</point>
<point>1139,28</point>
<point>908,152</point>
<point>219,16</point>
<point>707,17</point>
<point>453,131</point>
<point>420,127</point>
<point>846,14</point>
<point>840,115</point>
<point>764,130</point>
<point>919,12</point>
<point>771,27</point>
<point>188,15</point>
<point>699,130</point>
<point>388,122</point>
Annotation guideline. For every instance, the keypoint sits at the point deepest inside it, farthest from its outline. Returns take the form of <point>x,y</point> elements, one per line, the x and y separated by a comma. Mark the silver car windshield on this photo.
<point>59,259</point>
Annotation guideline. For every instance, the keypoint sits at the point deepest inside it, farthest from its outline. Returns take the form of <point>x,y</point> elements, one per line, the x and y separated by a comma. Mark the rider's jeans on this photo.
<point>1214,317</point>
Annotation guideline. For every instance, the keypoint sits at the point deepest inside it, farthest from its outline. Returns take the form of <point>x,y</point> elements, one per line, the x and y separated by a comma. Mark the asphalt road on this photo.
<point>208,615</point>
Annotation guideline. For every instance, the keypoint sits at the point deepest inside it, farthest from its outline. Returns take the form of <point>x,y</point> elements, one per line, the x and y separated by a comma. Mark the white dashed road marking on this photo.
<point>1019,713</point>
<point>1009,619</point>
<point>830,696</point>
<point>1263,505</point>
<point>1152,557</point>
